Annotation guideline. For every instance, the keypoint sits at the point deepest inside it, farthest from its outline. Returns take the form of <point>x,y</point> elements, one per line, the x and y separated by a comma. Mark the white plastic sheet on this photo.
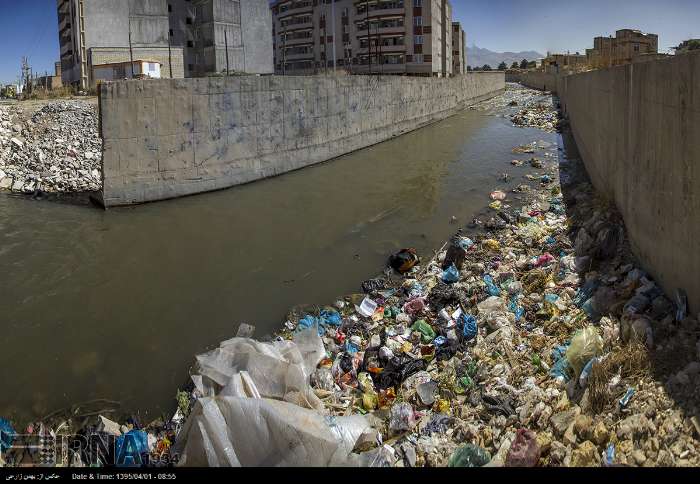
<point>234,431</point>
<point>258,409</point>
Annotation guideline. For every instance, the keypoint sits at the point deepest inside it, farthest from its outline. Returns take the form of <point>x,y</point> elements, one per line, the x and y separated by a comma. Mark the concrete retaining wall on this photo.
<point>637,128</point>
<point>539,80</point>
<point>168,138</point>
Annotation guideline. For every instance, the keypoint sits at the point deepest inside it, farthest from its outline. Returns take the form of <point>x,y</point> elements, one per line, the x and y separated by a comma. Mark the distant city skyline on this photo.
<point>31,28</point>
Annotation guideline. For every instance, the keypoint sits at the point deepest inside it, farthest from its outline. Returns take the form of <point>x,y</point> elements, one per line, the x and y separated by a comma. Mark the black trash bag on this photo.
<point>445,294</point>
<point>455,253</point>
<point>606,244</point>
<point>373,285</point>
<point>404,260</point>
<point>498,405</point>
<point>398,369</point>
<point>446,351</point>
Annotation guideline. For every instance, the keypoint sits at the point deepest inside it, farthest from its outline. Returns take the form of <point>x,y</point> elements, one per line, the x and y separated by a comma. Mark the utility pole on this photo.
<point>226,47</point>
<point>170,56</point>
<point>335,58</point>
<point>131,50</point>
<point>369,38</point>
<point>325,44</point>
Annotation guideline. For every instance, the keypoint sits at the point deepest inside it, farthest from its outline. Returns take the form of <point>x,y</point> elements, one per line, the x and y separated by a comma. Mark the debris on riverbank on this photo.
<point>55,148</point>
<point>535,342</point>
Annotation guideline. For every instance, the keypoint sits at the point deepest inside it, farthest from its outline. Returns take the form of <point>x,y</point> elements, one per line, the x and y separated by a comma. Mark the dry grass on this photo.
<point>630,362</point>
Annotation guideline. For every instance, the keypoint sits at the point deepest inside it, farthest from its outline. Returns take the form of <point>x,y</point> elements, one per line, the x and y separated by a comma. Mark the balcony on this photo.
<point>300,41</point>
<point>293,57</point>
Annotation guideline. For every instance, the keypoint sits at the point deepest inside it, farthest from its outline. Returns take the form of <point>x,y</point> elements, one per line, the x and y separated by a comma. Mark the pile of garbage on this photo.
<point>532,344</point>
<point>535,342</point>
<point>540,116</point>
<point>56,149</point>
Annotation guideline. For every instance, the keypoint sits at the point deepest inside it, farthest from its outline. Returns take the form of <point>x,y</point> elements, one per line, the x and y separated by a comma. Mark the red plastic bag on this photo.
<point>524,451</point>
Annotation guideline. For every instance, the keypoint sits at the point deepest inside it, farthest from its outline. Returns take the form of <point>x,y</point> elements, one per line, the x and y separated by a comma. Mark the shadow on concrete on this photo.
<point>675,350</point>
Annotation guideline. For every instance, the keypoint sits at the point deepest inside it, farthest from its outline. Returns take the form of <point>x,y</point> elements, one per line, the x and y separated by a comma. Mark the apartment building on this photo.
<point>411,37</point>
<point>565,63</point>
<point>459,49</point>
<point>177,38</point>
<point>220,36</point>
<point>624,48</point>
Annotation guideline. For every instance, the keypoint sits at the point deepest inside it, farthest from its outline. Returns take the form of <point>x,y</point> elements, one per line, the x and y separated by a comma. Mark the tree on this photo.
<point>476,69</point>
<point>469,68</point>
<point>502,66</point>
<point>486,68</point>
<point>515,65</point>
<point>532,64</point>
<point>523,64</point>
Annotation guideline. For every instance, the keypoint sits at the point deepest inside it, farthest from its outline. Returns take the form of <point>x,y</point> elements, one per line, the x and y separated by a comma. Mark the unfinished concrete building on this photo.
<point>103,39</point>
<point>221,36</point>
<point>459,49</point>
<point>411,37</point>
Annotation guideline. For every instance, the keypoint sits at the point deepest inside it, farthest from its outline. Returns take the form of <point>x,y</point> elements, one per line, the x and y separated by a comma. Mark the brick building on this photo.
<point>624,48</point>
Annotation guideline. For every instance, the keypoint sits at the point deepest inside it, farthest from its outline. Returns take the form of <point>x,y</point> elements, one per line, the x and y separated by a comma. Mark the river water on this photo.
<point>116,304</point>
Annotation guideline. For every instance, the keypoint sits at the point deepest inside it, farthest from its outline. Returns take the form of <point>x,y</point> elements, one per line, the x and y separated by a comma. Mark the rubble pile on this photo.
<point>536,341</point>
<point>57,149</point>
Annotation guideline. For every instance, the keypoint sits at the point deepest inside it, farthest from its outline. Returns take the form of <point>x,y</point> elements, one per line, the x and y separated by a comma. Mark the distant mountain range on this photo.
<point>477,57</point>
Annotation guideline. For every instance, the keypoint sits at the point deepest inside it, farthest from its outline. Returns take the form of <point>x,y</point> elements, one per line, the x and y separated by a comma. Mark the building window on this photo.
<point>190,43</point>
<point>418,39</point>
<point>417,3</point>
<point>170,8</point>
<point>418,21</point>
<point>188,21</point>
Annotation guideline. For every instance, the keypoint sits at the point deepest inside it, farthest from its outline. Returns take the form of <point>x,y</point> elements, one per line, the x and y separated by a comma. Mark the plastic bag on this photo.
<point>450,275</point>
<point>491,286</point>
<point>234,431</point>
<point>585,345</point>
<point>469,455</point>
<point>469,327</point>
<point>132,449</point>
<point>7,434</point>
<point>402,418</point>
<point>426,331</point>
<point>524,451</point>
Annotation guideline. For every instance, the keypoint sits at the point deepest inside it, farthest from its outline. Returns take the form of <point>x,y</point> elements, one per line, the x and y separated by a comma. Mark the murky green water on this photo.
<point>116,304</point>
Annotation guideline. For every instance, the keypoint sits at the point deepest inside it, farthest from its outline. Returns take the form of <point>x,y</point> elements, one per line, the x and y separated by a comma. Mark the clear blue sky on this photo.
<point>29,27</point>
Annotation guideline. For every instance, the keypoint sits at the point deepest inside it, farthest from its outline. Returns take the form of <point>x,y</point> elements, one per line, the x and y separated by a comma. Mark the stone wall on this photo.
<point>637,128</point>
<point>168,138</point>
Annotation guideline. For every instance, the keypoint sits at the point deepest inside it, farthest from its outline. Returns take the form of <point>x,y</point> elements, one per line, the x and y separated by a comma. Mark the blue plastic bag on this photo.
<point>7,434</point>
<point>131,448</point>
<point>469,327</point>
<point>466,243</point>
<point>327,318</point>
<point>515,309</point>
<point>491,287</point>
<point>451,275</point>
<point>561,367</point>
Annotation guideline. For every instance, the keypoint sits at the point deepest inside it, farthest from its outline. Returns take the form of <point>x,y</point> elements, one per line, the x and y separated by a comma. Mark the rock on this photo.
<point>585,455</point>
<point>583,427</point>
<point>600,434</point>
<point>570,435</point>
<point>639,457</point>
<point>17,143</point>
<point>561,421</point>
<point>368,440</point>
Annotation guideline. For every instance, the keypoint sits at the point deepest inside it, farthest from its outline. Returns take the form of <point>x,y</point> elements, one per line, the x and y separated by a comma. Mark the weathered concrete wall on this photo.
<point>168,138</point>
<point>539,80</point>
<point>637,128</point>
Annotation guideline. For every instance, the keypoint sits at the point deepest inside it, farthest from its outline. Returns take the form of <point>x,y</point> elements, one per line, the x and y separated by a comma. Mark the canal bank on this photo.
<point>106,295</point>
<point>564,354</point>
